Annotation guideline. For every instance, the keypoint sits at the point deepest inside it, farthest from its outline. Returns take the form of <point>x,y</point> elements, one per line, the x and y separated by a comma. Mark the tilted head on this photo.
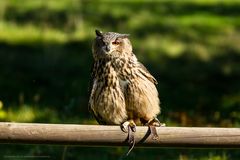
<point>111,44</point>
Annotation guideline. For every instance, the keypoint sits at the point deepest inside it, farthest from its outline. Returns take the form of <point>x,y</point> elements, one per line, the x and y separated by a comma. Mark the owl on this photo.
<point>123,92</point>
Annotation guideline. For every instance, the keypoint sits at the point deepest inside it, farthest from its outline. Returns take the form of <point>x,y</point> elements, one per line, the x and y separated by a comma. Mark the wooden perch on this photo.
<point>98,135</point>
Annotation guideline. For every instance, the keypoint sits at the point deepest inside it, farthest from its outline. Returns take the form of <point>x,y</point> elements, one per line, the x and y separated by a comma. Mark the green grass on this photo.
<point>191,47</point>
<point>27,34</point>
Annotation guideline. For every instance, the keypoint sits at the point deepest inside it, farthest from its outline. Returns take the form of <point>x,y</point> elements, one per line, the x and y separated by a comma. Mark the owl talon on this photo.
<point>129,127</point>
<point>124,126</point>
<point>153,123</point>
<point>131,139</point>
<point>133,126</point>
<point>130,135</point>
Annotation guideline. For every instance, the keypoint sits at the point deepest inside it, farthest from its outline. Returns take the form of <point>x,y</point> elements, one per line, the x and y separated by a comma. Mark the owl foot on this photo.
<point>152,124</point>
<point>128,124</point>
<point>129,127</point>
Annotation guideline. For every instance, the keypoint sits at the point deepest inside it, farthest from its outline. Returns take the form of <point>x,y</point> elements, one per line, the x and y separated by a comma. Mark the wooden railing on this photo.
<point>98,135</point>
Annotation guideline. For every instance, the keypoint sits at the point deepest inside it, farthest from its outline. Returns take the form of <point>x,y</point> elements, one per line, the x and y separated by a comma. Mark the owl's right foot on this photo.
<point>129,127</point>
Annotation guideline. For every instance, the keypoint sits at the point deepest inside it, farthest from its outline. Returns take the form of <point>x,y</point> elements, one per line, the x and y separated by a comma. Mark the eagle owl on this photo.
<point>123,91</point>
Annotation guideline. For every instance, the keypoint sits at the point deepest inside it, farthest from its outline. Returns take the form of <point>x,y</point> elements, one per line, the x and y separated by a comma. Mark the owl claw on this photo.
<point>124,126</point>
<point>129,127</point>
<point>128,124</point>
<point>153,123</point>
<point>133,127</point>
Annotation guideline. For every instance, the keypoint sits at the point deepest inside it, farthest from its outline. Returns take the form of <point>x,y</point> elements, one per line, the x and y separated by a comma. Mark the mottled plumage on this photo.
<point>122,88</point>
<point>123,91</point>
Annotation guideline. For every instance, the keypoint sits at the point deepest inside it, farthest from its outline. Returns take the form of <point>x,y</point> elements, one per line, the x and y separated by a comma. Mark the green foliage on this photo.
<point>191,47</point>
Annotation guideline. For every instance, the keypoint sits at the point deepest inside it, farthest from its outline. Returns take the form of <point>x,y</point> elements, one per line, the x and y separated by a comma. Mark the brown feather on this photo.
<point>122,88</point>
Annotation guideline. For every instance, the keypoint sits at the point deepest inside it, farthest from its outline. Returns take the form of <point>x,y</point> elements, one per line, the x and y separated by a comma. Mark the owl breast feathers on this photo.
<point>122,88</point>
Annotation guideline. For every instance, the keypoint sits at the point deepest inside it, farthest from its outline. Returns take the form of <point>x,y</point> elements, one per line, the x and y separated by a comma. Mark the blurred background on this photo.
<point>191,47</point>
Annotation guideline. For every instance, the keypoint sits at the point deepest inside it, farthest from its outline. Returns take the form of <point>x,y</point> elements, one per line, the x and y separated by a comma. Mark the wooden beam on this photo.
<point>98,135</point>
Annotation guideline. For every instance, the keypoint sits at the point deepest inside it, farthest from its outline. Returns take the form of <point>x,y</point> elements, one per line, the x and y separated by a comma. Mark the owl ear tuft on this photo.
<point>98,33</point>
<point>124,35</point>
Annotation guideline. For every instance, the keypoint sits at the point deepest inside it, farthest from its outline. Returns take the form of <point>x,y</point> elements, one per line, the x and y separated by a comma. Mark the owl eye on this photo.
<point>116,43</point>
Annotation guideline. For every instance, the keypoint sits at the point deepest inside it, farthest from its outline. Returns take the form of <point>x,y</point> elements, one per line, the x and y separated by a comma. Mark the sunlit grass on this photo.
<point>28,113</point>
<point>23,113</point>
<point>205,20</point>
<point>40,114</point>
<point>13,33</point>
<point>164,45</point>
<point>54,5</point>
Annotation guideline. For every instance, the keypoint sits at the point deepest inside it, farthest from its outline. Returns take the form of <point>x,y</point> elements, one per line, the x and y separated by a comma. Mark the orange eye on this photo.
<point>116,42</point>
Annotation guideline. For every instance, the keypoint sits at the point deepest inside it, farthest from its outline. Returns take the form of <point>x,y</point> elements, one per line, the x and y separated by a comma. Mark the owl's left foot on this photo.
<point>129,127</point>
<point>153,123</point>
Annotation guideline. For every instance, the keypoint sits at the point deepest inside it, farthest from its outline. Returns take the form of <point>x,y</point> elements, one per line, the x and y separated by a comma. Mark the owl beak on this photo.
<point>108,48</point>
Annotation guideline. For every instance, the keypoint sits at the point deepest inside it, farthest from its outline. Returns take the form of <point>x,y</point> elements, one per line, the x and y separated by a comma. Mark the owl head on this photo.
<point>111,44</point>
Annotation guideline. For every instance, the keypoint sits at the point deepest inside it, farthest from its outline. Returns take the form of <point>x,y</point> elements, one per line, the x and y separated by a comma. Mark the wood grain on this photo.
<point>98,135</point>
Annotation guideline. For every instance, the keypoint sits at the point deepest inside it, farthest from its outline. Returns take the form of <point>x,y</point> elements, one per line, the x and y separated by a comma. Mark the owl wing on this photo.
<point>146,73</point>
<point>141,94</point>
<point>90,90</point>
